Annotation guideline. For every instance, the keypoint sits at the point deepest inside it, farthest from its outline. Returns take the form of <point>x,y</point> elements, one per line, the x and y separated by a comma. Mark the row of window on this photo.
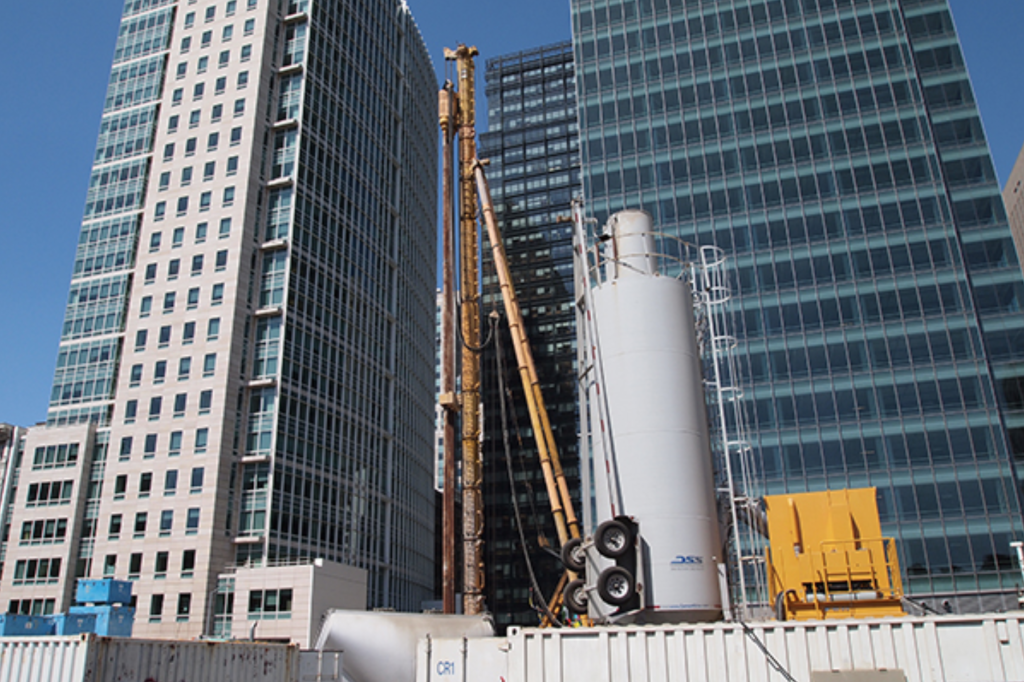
<point>211,13</point>
<point>55,456</point>
<point>37,571</point>
<point>209,171</point>
<point>166,525</point>
<point>209,366</point>
<point>156,403</point>
<point>205,203</point>
<point>151,441</point>
<point>145,483</point>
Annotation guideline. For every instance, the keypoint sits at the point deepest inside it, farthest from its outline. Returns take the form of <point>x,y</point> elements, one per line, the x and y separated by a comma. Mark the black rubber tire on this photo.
<point>575,597</point>
<point>613,539</point>
<point>572,555</point>
<point>615,586</point>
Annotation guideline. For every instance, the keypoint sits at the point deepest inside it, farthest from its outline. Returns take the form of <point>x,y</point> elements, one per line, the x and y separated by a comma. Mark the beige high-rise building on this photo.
<point>243,383</point>
<point>1013,197</point>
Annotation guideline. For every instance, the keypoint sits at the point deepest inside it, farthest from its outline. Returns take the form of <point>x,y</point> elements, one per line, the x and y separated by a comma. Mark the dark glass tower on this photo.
<point>834,149</point>
<point>532,144</point>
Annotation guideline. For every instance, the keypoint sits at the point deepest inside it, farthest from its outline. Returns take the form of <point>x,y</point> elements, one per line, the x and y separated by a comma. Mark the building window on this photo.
<point>110,565</point>
<point>188,563</point>
<point>186,44</point>
<point>209,169</point>
<point>183,204</point>
<point>177,237</point>
<point>184,606</point>
<point>169,302</point>
<point>192,521</point>
<point>212,141</point>
<point>243,79</point>
<point>213,329</point>
<point>155,403</point>
<point>126,448</point>
<point>135,376</point>
<point>204,201</point>
<point>270,604</point>
<point>220,85</point>
<point>229,196</point>
<point>209,364</point>
<point>159,371</point>
<point>232,165</point>
<point>36,571</point>
<point>173,267</point>
<point>149,449</point>
<point>190,146</point>
<point>156,606</point>
<point>114,527</point>
<point>206,38</point>
<point>160,568</point>
<point>225,228</point>
<point>197,480</point>
<point>180,400</point>
<point>188,333</point>
<point>204,63</point>
<point>120,486</point>
<point>145,483</point>
<point>205,401</point>
<point>165,181</point>
<point>186,176</point>
<point>201,233</point>
<point>131,408</point>
<point>193,122</point>
<point>140,340</point>
<point>202,438</point>
<point>236,136</point>
<point>246,53</point>
<point>249,27</point>
<point>166,522</point>
<point>216,113</point>
<point>217,294</point>
<point>140,524</point>
<point>165,336</point>
<point>177,96</point>
<point>197,264</point>
<point>239,107</point>
<point>227,33</point>
<point>159,210</point>
<point>190,20</point>
<point>197,91</point>
<point>174,447</point>
<point>170,482</point>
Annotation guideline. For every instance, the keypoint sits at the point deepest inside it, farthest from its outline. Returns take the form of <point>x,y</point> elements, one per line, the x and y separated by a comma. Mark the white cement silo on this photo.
<point>656,419</point>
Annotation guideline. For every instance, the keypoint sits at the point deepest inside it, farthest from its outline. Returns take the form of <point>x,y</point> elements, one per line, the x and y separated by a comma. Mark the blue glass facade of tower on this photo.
<point>532,145</point>
<point>834,150</point>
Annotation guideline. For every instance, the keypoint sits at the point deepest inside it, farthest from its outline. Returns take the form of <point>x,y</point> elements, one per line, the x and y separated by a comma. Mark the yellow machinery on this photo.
<point>828,558</point>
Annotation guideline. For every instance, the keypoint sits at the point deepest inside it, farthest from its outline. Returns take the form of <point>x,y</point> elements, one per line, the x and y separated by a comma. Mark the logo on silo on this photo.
<point>690,562</point>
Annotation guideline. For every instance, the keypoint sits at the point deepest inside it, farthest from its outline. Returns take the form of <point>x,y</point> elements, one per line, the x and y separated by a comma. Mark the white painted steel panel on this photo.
<point>88,658</point>
<point>983,648</point>
<point>43,659</point>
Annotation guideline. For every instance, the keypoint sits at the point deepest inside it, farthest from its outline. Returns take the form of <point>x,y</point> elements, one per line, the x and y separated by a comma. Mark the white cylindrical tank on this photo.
<point>657,423</point>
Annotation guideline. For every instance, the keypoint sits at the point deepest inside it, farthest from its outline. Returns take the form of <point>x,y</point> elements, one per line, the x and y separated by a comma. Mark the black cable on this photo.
<point>511,479</point>
<point>462,339</point>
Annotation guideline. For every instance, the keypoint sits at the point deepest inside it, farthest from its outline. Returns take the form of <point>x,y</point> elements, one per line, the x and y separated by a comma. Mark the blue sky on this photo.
<point>57,56</point>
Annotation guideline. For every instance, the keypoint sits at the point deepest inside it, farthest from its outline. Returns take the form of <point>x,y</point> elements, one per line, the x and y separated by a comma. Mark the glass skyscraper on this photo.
<point>244,373</point>
<point>532,144</point>
<point>833,148</point>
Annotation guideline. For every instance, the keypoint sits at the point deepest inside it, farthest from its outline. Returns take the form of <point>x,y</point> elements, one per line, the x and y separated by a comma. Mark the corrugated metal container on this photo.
<point>103,591</point>
<point>979,648</point>
<point>111,621</point>
<point>73,624</point>
<point>89,658</point>
<point>18,625</point>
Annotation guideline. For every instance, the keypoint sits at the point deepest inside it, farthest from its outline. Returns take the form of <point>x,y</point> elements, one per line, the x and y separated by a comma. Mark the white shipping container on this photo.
<point>89,658</point>
<point>987,647</point>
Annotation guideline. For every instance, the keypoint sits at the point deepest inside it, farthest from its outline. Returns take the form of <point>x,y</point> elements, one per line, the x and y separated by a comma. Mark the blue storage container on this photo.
<point>103,591</point>
<point>17,625</point>
<point>111,621</point>
<point>73,623</point>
